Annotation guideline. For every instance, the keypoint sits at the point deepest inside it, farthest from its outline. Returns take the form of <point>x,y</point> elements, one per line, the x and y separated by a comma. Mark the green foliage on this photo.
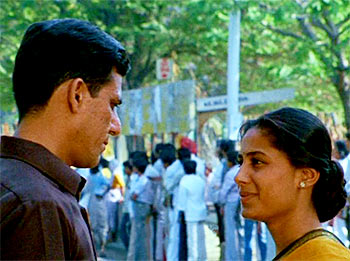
<point>275,52</point>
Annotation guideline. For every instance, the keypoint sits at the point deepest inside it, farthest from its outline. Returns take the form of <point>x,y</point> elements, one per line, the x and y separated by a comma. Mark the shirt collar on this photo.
<point>43,160</point>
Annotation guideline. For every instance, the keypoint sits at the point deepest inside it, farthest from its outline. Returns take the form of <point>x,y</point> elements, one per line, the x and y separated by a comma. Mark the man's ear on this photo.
<point>76,91</point>
<point>307,177</point>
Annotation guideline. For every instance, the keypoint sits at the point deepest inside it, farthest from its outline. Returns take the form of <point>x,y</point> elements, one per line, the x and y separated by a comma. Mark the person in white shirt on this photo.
<point>341,221</point>
<point>192,202</point>
<point>173,175</point>
<point>223,146</point>
<point>159,213</point>
<point>125,225</point>
<point>142,199</point>
<point>229,200</point>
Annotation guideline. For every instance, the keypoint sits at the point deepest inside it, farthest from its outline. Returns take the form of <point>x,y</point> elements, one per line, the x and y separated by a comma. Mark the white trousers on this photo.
<point>174,233</point>
<point>196,241</point>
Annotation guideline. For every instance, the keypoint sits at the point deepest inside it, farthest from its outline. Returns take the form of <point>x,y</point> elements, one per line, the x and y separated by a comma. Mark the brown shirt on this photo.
<point>40,215</point>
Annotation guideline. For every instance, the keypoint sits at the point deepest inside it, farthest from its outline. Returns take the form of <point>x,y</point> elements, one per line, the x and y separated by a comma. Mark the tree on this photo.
<point>320,37</point>
<point>276,50</point>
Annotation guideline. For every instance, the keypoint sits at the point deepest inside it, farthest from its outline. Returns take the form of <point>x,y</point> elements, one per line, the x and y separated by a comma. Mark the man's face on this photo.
<point>100,121</point>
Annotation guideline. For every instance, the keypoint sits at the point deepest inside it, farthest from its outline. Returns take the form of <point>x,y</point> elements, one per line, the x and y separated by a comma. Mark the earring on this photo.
<point>302,184</point>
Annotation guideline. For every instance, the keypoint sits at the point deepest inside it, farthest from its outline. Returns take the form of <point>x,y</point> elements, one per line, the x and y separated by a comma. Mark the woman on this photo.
<point>288,180</point>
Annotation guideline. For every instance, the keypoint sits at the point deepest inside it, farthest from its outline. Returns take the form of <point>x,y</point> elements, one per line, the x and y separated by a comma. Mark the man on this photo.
<point>229,200</point>
<point>142,198</point>
<point>125,225</point>
<point>98,186</point>
<point>159,213</point>
<point>222,147</point>
<point>191,203</point>
<point>173,175</point>
<point>187,143</point>
<point>66,81</point>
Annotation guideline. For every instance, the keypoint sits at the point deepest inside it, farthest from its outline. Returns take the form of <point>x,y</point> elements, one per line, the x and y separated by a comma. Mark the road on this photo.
<point>117,251</point>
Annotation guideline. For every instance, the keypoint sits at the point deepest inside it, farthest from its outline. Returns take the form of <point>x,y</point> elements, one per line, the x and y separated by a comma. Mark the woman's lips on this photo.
<point>246,196</point>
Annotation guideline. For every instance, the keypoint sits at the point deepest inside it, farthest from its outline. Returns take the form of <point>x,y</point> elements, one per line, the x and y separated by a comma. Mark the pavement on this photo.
<point>116,250</point>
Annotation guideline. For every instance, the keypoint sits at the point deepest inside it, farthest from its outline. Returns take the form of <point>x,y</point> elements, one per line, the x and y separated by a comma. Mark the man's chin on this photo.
<point>91,163</point>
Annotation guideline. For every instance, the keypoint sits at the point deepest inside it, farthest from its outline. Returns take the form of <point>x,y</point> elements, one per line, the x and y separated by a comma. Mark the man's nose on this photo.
<point>115,125</point>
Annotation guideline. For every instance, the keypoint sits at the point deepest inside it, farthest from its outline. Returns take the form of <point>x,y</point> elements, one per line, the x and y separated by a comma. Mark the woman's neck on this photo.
<point>285,233</point>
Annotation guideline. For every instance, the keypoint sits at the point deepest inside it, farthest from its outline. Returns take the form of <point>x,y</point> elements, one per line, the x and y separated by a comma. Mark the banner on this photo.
<point>163,108</point>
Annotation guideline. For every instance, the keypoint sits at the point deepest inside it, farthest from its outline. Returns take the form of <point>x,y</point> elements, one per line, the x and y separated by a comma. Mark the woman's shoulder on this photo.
<point>320,248</point>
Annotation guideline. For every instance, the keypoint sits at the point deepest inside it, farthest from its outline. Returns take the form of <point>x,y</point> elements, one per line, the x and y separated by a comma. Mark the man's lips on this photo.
<point>105,145</point>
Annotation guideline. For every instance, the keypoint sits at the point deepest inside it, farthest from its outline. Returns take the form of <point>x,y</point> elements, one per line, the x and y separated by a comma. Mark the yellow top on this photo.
<point>321,248</point>
<point>118,181</point>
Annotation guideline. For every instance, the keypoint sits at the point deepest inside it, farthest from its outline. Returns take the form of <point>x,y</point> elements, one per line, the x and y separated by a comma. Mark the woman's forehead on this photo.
<point>256,141</point>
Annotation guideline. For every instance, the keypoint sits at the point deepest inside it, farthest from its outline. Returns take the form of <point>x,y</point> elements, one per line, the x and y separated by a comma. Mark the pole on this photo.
<point>234,117</point>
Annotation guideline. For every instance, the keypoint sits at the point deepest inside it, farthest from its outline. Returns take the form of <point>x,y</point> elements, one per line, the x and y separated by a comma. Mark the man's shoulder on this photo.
<point>192,179</point>
<point>26,182</point>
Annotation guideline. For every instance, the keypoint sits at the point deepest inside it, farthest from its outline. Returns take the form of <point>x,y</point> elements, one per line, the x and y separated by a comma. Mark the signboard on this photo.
<point>159,109</point>
<point>251,98</point>
<point>164,68</point>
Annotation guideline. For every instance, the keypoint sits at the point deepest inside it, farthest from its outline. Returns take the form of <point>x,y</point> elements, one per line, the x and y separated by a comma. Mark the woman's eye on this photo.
<point>240,160</point>
<point>256,162</point>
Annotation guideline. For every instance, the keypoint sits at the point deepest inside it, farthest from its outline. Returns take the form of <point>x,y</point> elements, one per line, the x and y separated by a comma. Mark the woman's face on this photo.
<point>266,179</point>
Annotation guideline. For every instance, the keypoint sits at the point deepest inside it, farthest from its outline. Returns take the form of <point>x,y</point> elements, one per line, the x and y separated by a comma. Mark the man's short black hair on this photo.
<point>190,166</point>
<point>183,154</point>
<point>55,51</point>
<point>232,156</point>
<point>140,164</point>
<point>168,154</point>
<point>127,164</point>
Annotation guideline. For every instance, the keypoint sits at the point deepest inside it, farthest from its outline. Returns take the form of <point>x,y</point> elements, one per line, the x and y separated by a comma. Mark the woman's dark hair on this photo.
<point>341,148</point>
<point>306,141</point>
<point>55,51</point>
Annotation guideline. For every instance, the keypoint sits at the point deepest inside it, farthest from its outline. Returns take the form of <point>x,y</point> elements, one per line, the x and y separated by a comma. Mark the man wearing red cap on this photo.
<point>187,143</point>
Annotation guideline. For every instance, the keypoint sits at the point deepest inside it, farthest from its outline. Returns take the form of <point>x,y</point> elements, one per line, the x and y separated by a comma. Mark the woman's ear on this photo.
<point>307,177</point>
<point>76,90</point>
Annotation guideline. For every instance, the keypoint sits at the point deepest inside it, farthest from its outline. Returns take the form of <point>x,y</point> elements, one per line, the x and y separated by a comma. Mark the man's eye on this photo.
<point>115,106</point>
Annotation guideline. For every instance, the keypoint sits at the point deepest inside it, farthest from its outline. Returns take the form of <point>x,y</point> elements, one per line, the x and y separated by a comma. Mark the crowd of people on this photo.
<point>165,200</point>
<point>284,178</point>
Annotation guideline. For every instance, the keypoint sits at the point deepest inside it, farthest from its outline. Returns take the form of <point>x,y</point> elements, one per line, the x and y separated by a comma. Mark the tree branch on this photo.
<point>316,22</point>
<point>331,26</point>
<point>346,19</point>
<point>345,29</point>
<point>283,32</point>
<point>306,28</point>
